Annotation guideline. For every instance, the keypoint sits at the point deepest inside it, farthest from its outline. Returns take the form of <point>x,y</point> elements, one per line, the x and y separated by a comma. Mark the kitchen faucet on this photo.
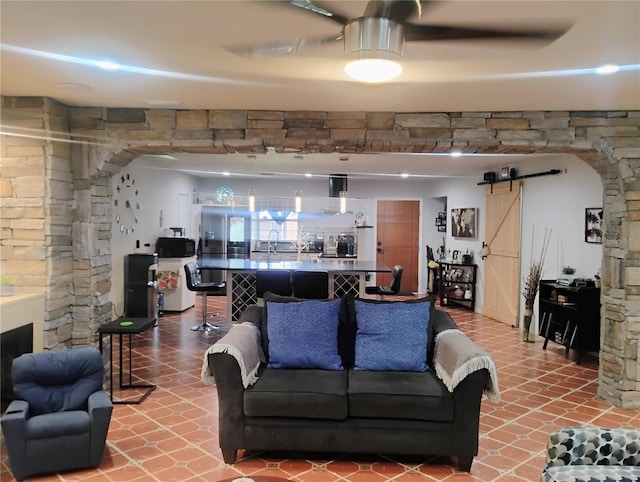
<point>275,246</point>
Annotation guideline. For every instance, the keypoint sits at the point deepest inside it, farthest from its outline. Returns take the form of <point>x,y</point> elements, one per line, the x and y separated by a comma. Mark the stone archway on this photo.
<point>607,141</point>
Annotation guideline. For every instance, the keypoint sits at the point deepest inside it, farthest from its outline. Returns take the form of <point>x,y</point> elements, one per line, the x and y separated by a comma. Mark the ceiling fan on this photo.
<point>380,33</point>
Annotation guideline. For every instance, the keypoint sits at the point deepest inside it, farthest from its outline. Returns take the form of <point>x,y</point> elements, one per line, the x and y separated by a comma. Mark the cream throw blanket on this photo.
<point>243,343</point>
<point>456,356</point>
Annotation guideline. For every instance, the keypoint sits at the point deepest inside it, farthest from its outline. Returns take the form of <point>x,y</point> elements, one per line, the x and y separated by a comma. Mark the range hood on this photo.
<point>337,183</point>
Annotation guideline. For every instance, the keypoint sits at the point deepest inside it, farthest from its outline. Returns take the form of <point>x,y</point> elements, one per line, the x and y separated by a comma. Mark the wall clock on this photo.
<point>126,204</point>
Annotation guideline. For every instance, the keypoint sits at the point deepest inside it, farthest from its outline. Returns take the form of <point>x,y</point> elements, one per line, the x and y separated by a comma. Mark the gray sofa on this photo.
<point>352,411</point>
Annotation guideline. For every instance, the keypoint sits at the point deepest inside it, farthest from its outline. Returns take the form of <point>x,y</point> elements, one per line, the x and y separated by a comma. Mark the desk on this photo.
<point>569,316</point>
<point>138,325</point>
<point>346,277</point>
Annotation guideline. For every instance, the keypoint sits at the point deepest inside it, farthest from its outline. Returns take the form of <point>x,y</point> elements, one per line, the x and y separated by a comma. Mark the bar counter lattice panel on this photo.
<point>244,293</point>
<point>346,284</point>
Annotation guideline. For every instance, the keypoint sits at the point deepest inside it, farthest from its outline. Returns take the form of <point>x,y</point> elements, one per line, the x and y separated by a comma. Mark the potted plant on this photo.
<point>6,288</point>
<point>531,284</point>
<point>597,281</point>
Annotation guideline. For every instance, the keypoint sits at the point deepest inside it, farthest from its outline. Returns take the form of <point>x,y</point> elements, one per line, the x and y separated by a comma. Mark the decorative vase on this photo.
<point>527,335</point>
<point>6,290</point>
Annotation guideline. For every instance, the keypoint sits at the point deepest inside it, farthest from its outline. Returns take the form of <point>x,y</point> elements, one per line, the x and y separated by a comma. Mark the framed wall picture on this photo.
<point>593,225</point>
<point>441,222</point>
<point>463,222</point>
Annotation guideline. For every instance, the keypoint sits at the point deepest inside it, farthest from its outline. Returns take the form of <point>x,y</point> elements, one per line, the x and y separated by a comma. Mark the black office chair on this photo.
<point>207,289</point>
<point>311,285</point>
<point>392,289</point>
<point>277,281</point>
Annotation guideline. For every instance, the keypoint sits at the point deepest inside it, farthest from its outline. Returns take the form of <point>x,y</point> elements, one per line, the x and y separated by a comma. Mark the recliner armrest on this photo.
<point>14,426</point>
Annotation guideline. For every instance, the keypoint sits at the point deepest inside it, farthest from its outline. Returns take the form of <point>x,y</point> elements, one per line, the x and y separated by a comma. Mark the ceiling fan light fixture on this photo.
<point>373,70</point>
<point>373,46</point>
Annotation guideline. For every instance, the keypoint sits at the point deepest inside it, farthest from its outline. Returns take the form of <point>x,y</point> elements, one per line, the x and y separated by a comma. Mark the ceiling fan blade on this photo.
<point>318,9</point>
<point>437,32</point>
<point>375,8</point>
<point>400,10</point>
<point>276,49</point>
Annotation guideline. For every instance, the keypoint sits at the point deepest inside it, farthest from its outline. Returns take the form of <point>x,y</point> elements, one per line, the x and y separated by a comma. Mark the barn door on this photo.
<point>502,265</point>
<point>398,237</point>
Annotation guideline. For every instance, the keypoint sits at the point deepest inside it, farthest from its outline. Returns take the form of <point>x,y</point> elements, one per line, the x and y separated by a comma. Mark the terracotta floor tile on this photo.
<point>172,435</point>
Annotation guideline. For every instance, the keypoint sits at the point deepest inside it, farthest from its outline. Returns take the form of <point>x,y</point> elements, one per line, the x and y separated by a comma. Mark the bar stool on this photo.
<point>311,285</point>
<point>392,289</point>
<point>207,289</point>
<point>278,281</point>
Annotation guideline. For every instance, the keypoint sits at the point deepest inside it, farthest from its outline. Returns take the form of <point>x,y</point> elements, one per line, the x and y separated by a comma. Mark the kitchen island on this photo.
<point>346,277</point>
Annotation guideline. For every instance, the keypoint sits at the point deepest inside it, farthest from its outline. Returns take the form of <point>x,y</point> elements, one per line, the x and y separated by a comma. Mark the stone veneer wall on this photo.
<point>109,138</point>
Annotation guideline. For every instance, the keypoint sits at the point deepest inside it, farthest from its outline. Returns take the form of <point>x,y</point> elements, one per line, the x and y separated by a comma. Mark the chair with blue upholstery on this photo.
<point>60,416</point>
<point>593,454</point>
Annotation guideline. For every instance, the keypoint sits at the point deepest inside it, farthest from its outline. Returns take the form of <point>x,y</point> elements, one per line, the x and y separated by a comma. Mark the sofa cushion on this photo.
<point>403,395</point>
<point>346,326</point>
<point>392,336</point>
<point>304,334</point>
<point>298,393</point>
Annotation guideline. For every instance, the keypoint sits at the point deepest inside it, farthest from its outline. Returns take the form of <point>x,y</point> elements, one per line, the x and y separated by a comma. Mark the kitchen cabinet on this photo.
<point>458,284</point>
<point>172,283</point>
<point>570,316</point>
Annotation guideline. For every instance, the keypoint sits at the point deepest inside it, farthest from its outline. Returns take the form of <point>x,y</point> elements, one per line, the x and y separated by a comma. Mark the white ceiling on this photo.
<point>47,47</point>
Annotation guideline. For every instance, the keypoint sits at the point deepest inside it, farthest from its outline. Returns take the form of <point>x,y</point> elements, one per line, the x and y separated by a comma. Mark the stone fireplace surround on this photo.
<point>57,164</point>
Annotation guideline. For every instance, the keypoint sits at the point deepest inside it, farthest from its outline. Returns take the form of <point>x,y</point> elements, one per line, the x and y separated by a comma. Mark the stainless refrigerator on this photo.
<point>224,235</point>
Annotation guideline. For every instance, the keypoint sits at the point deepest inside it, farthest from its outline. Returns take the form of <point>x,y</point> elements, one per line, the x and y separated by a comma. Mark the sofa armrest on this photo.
<point>230,391</point>
<point>252,314</point>
<point>456,357</point>
<point>593,446</point>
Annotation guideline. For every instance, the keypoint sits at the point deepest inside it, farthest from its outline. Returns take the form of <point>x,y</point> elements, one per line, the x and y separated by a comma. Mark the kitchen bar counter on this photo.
<point>346,277</point>
<point>331,265</point>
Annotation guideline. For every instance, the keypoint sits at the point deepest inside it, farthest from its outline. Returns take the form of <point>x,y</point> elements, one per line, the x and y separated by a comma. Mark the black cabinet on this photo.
<point>457,284</point>
<point>140,285</point>
<point>569,316</point>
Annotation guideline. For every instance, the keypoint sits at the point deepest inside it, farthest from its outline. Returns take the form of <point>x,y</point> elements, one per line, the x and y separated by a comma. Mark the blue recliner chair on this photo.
<point>60,415</point>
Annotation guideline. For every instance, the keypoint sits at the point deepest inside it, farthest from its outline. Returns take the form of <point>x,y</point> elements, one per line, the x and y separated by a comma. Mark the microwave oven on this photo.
<point>175,247</point>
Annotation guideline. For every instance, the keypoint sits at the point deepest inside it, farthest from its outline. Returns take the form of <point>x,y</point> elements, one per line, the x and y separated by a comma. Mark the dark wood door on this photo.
<point>398,225</point>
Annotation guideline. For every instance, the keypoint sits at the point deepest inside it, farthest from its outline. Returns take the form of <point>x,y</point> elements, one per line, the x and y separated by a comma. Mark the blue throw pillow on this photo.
<point>392,336</point>
<point>304,334</point>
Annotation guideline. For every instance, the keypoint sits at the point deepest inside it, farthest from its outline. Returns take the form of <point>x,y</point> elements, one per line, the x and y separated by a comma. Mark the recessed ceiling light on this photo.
<point>226,173</point>
<point>308,174</point>
<point>74,86</point>
<point>404,174</point>
<point>607,69</point>
<point>456,154</point>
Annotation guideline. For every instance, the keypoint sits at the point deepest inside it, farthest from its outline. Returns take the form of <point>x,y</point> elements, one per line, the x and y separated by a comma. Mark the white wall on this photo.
<point>548,202</point>
<point>159,190</point>
<point>555,202</point>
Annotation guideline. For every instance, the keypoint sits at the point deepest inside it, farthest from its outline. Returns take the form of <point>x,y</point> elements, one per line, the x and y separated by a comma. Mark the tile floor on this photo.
<point>172,435</point>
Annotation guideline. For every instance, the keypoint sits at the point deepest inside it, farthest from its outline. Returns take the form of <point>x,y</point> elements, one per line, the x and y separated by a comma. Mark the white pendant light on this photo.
<point>252,200</point>
<point>343,202</point>
<point>298,205</point>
